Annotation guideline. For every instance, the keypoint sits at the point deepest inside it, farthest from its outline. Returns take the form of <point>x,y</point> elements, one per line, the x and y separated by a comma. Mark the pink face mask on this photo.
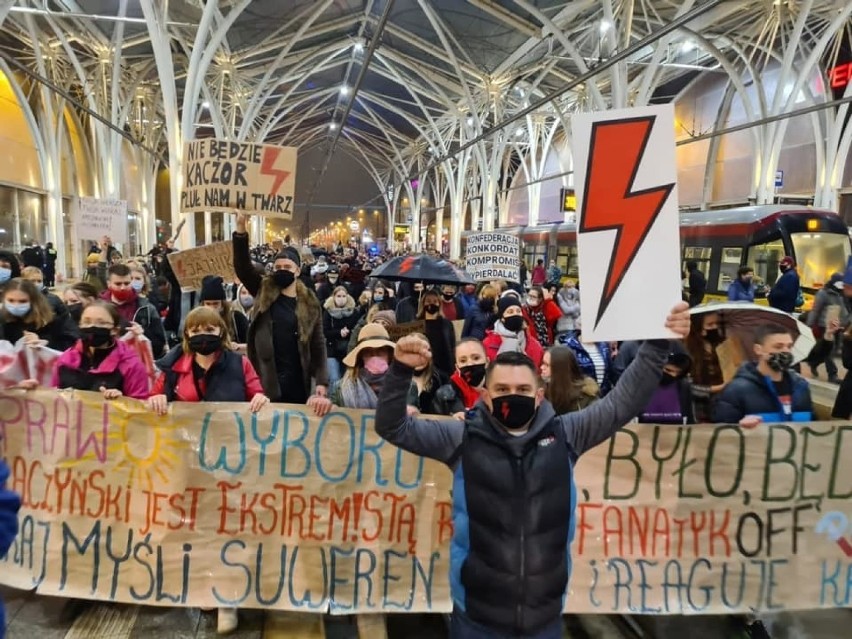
<point>376,365</point>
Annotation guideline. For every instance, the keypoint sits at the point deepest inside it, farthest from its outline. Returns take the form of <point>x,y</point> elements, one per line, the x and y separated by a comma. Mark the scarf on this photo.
<point>340,313</point>
<point>540,322</point>
<point>357,392</point>
<point>510,342</point>
<point>469,394</point>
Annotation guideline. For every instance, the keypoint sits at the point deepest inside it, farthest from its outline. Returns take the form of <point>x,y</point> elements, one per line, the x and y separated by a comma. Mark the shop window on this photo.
<point>566,259</point>
<point>764,259</point>
<point>728,267</point>
<point>701,256</point>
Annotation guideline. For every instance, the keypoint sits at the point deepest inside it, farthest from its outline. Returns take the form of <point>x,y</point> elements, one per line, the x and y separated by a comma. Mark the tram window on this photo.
<point>566,259</point>
<point>700,255</point>
<point>818,255</point>
<point>764,258</point>
<point>533,253</point>
<point>731,258</point>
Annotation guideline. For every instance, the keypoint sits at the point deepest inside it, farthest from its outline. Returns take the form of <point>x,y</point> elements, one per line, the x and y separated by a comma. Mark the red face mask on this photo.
<point>122,295</point>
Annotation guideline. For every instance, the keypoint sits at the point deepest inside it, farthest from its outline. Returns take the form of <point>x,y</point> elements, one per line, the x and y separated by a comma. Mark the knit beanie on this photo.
<point>212,288</point>
<point>506,302</point>
<point>289,253</point>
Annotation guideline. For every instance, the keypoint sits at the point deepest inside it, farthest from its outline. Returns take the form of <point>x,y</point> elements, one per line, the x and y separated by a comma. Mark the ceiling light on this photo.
<point>605,26</point>
<point>359,46</point>
<point>687,46</point>
<point>519,132</point>
<point>344,90</point>
<point>205,105</point>
<point>332,126</point>
<point>470,120</point>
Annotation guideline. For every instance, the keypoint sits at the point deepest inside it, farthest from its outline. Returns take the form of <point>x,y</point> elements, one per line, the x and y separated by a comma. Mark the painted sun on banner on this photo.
<point>220,175</point>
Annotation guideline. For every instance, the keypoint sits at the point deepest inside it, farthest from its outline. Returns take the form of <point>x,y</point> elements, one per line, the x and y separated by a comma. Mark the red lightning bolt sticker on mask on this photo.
<point>267,167</point>
<point>616,150</point>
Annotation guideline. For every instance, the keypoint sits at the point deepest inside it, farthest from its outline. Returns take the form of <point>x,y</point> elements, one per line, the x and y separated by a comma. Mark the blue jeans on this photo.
<point>463,627</point>
<point>334,371</point>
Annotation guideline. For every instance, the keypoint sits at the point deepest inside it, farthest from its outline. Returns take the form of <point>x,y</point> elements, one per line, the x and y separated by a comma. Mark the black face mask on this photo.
<point>75,311</point>
<point>473,374</point>
<point>486,304</point>
<point>431,308</point>
<point>283,279</point>
<point>513,411</point>
<point>514,323</point>
<point>206,344</point>
<point>714,337</point>
<point>447,296</point>
<point>96,336</point>
<point>780,362</point>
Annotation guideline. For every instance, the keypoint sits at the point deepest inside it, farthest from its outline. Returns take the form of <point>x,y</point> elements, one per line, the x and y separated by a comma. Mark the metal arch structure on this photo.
<point>446,97</point>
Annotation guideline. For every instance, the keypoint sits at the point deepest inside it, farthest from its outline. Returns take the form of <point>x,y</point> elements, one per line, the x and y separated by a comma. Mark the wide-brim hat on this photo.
<point>371,336</point>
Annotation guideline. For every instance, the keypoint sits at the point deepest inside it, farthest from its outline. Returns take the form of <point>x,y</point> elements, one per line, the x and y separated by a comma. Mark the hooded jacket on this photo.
<point>261,350</point>
<point>785,292</point>
<point>751,393</point>
<point>514,497</point>
<point>121,369</point>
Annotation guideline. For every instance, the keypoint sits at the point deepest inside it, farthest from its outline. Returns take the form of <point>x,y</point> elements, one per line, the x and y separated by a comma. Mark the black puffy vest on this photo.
<point>226,381</point>
<point>519,510</point>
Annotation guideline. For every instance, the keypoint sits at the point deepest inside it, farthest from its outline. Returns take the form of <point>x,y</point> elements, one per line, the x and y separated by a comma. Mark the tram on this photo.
<point>722,240</point>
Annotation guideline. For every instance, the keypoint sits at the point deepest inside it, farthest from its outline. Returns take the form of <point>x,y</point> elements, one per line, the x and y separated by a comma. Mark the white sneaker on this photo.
<point>227,621</point>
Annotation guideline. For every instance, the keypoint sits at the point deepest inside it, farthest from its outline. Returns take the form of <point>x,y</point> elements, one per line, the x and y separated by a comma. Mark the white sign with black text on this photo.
<point>493,256</point>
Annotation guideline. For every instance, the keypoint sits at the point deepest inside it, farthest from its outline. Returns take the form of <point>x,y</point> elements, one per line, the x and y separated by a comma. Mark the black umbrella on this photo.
<point>421,268</point>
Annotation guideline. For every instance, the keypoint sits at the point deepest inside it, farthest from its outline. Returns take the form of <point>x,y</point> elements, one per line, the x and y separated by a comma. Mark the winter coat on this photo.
<point>785,292</point>
<point>739,291</point>
<point>552,315</point>
<point>825,297</point>
<point>231,378</point>
<point>59,333</point>
<point>751,393</point>
<point>141,311</point>
<point>335,320</point>
<point>477,322</point>
<point>533,349</point>
<point>587,365</point>
<point>261,350</point>
<point>121,369</point>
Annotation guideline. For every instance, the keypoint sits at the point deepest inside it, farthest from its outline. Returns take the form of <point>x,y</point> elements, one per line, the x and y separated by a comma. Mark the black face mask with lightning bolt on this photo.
<point>513,411</point>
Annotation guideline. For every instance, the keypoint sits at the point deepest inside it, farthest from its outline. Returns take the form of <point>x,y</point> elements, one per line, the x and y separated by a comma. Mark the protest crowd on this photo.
<point>303,325</point>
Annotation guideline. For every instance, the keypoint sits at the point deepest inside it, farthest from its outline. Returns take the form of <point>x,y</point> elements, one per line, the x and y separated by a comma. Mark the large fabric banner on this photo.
<point>213,506</point>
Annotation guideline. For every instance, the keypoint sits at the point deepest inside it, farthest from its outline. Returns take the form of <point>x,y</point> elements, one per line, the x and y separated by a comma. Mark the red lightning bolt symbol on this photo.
<point>267,167</point>
<point>407,265</point>
<point>505,410</point>
<point>615,152</point>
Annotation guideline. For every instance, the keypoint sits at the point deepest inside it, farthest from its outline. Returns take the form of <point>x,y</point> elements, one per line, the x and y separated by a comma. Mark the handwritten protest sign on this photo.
<point>628,233</point>
<point>406,328</point>
<point>193,265</point>
<point>220,175</point>
<point>94,218</point>
<point>493,256</point>
<point>212,506</point>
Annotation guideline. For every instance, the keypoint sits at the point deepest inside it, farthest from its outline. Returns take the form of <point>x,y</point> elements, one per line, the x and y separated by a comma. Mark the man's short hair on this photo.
<point>765,330</point>
<point>510,358</point>
<point>121,270</point>
<point>744,270</point>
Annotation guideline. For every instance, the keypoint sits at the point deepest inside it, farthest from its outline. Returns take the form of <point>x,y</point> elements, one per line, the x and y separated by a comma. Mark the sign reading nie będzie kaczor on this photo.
<point>213,506</point>
<point>220,175</point>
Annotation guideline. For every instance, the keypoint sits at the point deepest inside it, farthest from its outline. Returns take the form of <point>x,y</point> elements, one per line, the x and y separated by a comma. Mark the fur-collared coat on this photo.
<point>261,350</point>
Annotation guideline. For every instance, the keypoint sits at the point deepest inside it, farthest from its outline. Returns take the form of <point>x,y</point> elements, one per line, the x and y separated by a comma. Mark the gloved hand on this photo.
<point>10,503</point>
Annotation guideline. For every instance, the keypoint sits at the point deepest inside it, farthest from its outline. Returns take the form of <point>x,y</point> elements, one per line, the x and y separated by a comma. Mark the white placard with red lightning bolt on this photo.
<point>628,240</point>
<point>221,175</point>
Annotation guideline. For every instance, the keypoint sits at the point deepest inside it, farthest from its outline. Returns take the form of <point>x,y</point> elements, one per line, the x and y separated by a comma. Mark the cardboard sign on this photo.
<point>213,506</point>
<point>493,256</point>
<point>193,265</point>
<point>220,175</point>
<point>94,218</point>
<point>401,330</point>
<point>628,239</point>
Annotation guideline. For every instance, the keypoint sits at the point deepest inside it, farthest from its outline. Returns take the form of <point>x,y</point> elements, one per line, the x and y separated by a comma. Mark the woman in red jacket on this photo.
<point>203,368</point>
<point>512,333</point>
<point>542,313</point>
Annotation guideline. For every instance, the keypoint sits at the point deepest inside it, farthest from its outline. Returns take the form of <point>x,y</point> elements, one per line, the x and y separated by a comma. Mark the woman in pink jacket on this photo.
<point>100,361</point>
